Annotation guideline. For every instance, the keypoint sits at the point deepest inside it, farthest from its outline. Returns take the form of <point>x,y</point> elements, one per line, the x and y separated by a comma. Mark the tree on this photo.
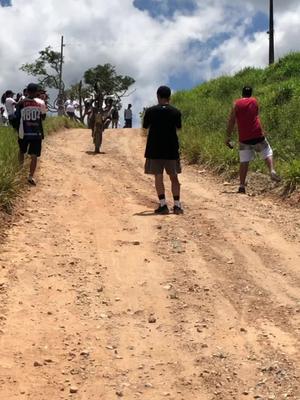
<point>46,68</point>
<point>105,82</point>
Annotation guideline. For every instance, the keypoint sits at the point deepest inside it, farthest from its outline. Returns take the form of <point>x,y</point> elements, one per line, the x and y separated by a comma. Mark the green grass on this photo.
<point>10,176</point>
<point>206,108</point>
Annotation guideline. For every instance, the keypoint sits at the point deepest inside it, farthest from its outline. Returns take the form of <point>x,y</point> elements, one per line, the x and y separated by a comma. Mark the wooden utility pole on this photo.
<point>60,90</point>
<point>271,34</point>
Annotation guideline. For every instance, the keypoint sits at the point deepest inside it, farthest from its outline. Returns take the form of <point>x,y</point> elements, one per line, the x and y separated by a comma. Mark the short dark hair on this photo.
<point>33,88</point>
<point>164,92</point>
<point>247,91</point>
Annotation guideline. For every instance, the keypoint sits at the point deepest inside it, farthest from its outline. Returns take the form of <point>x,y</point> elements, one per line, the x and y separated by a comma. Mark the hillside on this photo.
<point>206,108</point>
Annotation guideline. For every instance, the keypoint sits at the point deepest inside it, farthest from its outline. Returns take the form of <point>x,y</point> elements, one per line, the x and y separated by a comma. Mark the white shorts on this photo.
<point>248,151</point>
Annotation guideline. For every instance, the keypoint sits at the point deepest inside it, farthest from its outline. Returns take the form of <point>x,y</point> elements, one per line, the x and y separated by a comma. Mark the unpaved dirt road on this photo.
<point>100,299</point>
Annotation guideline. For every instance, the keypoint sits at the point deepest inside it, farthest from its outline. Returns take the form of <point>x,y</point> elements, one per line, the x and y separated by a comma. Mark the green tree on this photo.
<point>45,68</point>
<point>104,81</point>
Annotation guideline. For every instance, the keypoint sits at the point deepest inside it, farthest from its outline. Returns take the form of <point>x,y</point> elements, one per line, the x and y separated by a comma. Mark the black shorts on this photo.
<point>157,167</point>
<point>32,146</point>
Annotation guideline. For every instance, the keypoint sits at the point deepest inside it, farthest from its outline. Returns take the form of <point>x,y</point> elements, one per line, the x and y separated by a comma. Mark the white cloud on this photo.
<point>150,50</point>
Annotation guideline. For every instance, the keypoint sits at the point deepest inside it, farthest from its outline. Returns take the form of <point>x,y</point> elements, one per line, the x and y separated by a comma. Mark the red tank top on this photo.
<point>249,126</point>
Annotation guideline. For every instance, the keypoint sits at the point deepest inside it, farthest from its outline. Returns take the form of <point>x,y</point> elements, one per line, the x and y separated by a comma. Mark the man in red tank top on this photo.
<point>245,114</point>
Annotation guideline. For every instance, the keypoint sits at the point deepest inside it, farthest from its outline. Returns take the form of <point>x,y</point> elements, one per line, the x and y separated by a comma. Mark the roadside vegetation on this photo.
<point>205,111</point>
<point>10,175</point>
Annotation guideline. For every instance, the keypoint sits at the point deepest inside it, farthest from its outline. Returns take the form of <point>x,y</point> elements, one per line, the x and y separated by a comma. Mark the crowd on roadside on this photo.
<point>10,101</point>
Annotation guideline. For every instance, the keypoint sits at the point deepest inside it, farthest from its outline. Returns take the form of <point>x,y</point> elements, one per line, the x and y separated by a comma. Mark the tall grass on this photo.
<point>10,176</point>
<point>206,108</point>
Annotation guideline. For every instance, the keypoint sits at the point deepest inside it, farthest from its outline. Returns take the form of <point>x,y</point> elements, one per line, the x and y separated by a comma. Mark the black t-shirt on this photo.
<point>163,122</point>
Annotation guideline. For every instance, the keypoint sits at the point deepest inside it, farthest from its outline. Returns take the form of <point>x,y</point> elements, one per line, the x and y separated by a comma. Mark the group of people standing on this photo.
<point>111,109</point>
<point>162,122</point>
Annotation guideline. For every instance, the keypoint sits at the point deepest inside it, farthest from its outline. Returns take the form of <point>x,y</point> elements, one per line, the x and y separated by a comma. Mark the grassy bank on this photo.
<point>205,111</point>
<point>10,177</point>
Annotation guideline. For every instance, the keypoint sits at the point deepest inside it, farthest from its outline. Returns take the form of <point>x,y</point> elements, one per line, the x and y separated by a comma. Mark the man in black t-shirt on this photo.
<point>162,149</point>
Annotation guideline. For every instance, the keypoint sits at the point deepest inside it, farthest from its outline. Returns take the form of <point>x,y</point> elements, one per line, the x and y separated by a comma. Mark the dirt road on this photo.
<point>100,299</point>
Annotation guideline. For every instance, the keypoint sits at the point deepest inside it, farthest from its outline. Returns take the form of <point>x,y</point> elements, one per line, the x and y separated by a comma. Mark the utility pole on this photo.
<point>271,34</point>
<point>60,89</point>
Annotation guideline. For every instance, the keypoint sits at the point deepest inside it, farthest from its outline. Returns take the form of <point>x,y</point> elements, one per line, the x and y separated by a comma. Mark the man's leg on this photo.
<point>33,165</point>
<point>160,190</point>
<point>175,186</point>
<point>270,164</point>
<point>244,166</point>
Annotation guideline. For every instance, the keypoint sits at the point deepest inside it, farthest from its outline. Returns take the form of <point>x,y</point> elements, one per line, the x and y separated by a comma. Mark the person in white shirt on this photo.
<point>70,107</point>
<point>128,117</point>
<point>10,105</point>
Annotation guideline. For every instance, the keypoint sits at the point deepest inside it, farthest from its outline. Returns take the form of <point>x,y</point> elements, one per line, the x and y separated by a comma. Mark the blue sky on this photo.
<point>167,9</point>
<point>5,3</point>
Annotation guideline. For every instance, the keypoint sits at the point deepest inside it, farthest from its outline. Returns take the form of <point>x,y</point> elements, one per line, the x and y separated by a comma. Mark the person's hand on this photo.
<point>229,143</point>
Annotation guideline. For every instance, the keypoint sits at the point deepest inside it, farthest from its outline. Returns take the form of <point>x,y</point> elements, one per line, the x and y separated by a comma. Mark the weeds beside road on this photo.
<point>10,176</point>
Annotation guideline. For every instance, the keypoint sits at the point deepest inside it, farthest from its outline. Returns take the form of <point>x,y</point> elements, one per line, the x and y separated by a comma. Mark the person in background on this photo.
<point>3,119</point>
<point>30,114</point>
<point>245,113</point>
<point>115,117</point>
<point>128,117</point>
<point>24,95</point>
<point>70,107</point>
<point>162,149</point>
<point>10,105</point>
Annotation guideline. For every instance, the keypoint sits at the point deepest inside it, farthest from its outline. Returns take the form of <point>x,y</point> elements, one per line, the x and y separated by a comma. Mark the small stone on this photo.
<point>85,353</point>
<point>152,319</point>
<point>73,389</point>
<point>37,364</point>
<point>136,243</point>
<point>119,393</point>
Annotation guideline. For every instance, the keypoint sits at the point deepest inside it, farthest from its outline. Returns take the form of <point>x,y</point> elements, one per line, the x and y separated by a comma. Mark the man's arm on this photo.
<point>230,126</point>
<point>178,121</point>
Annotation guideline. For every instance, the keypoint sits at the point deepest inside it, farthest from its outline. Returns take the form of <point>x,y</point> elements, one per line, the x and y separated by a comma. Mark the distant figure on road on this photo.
<point>30,113</point>
<point>162,149</point>
<point>245,113</point>
<point>70,107</point>
<point>128,117</point>
<point>115,117</point>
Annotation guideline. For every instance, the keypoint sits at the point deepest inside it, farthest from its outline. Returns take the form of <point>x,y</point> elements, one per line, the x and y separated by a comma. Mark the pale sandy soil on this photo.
<point>86,263</point>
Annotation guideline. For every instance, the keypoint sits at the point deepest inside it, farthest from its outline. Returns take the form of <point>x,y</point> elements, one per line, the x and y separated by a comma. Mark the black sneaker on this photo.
<point>242,190</point>
<point>177,210</point>
<point>31,181</point>
<point>162,210</point>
